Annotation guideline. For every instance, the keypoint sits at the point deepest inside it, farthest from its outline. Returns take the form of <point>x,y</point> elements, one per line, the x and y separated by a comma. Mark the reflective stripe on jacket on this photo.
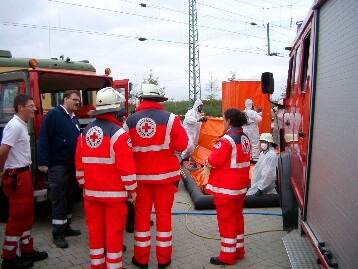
<point>230,165</point>
<point>156,136</point>
<point>104,161</point>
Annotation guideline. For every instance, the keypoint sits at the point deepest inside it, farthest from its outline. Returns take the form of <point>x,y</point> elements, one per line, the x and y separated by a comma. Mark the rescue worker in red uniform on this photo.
<point>156,136</point>
<point>105,169</point>
<point>16,182</point>
<point>229,164</point>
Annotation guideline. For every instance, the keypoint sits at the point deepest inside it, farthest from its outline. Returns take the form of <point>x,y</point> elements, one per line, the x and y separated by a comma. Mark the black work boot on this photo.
<point>35,255</point>
<point>70,232</point>
<point>60,242</point>
<point>138,264</point>
<point>17,263</point>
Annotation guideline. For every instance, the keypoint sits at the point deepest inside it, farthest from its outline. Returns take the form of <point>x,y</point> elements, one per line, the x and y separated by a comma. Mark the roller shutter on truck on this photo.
<point>332,195</point>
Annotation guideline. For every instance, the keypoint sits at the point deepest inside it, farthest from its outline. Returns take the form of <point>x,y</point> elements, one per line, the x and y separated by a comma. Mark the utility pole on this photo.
<point>268,39</point>
<point>194,66</point>
<point>268,43</point>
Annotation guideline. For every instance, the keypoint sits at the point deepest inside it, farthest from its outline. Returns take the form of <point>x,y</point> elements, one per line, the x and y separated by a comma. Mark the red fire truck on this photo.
<point>318,169</point>
<point>46,80</point>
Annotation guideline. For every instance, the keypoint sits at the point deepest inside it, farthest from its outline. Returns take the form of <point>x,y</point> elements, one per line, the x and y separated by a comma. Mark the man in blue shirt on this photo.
<point>55,154</point>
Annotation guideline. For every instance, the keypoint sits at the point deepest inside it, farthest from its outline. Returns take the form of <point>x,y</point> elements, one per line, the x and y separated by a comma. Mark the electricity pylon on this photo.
<point>194,66</point>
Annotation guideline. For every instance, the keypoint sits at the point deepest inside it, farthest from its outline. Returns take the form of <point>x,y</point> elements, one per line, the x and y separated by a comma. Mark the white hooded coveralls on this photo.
<point>264,174</point>
<point>277,123</point>
<point>192,127</point>
<point>252,128</point>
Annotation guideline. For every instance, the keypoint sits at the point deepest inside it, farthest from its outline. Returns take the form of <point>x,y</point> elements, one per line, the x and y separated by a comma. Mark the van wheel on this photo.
<point>288,201</point>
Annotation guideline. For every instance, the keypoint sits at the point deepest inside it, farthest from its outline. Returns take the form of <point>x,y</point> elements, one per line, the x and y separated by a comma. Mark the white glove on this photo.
<point>206,172</point>
<point>131,197</point>
<point>43,169</point>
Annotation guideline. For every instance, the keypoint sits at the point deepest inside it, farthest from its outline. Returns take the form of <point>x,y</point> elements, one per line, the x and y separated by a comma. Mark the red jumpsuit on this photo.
<point>228,182</point>
<point>105,169</point>
<point>156,135</point>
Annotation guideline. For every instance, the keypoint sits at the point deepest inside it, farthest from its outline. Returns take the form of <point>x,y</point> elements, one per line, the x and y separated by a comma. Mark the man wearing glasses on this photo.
<point>16,182</point>
<point>55,154</point>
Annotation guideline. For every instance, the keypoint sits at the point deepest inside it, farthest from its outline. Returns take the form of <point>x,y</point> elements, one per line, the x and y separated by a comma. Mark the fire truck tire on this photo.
<point>288,201</point>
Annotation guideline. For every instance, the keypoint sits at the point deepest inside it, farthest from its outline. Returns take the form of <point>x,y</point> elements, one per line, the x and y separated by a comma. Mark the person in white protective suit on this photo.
<point>192,124</point>
<point>277,114</point>
<point>264,174</point>
<point>252,128</point>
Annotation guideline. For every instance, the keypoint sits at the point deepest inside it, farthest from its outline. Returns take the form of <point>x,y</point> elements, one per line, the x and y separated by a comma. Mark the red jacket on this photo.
<point>230,165</point>
<point>156,136</point>
<point>104,160</point>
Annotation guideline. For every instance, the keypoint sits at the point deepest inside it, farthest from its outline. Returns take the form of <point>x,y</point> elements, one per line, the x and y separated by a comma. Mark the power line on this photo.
<point>89,32</point>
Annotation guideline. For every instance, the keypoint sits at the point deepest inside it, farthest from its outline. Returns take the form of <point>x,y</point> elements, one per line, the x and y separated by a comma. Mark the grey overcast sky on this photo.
<point>232,37</point>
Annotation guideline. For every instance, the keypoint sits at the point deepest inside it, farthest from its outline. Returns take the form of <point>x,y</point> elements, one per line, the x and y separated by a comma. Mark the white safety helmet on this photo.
<point>108,100</point>
<point>268,138</point>
<point>151,91</point>
<point>288,138</point>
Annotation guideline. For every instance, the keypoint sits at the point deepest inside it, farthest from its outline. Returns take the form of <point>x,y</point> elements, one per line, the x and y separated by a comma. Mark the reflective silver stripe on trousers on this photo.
<point>96,251</point>
<point>164,244</point>
<point>166,142</point>
<point>239,245</point>
<point>59,221</point>
<point>8,247</point>
<point>141,234</point>
<point>97,261</point>
<point>158,176</point>
<point>79,173</point>
<point>240,236</point>
<point>142,244</point>
<point>26,233</point>
<point>114,255</point>
<point>25,241</point>
<point>225,191</point>
<point>228,250</point>
<point>228,240</point>
<point>12,238</point>
<point>106,194</point>
<point>233,163</point>
<point>164,234</point>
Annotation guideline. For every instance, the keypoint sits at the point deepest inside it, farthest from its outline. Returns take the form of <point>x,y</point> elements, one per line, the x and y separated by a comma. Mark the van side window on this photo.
<point>305,67</point>
<point>8,91</point>
<point>289,79</point>
<point>297,70</point>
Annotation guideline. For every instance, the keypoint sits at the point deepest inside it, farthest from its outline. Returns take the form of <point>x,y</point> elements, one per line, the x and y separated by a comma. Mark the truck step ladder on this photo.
<point>300,252</point>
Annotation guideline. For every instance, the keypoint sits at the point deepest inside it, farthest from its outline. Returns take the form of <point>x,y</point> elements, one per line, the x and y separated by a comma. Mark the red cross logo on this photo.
<point>94,136</point>
<point>146,127</point>
<point>245,144</point>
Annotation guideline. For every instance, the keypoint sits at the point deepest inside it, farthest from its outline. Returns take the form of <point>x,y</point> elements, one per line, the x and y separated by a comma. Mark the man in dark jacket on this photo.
<point>55,154</point>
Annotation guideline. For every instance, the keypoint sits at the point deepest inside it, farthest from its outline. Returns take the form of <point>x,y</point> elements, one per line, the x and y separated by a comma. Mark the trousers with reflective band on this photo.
<point>162,196</point>
<point>21,214</point>
<point>231,228</point>
<point>105,222</point>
